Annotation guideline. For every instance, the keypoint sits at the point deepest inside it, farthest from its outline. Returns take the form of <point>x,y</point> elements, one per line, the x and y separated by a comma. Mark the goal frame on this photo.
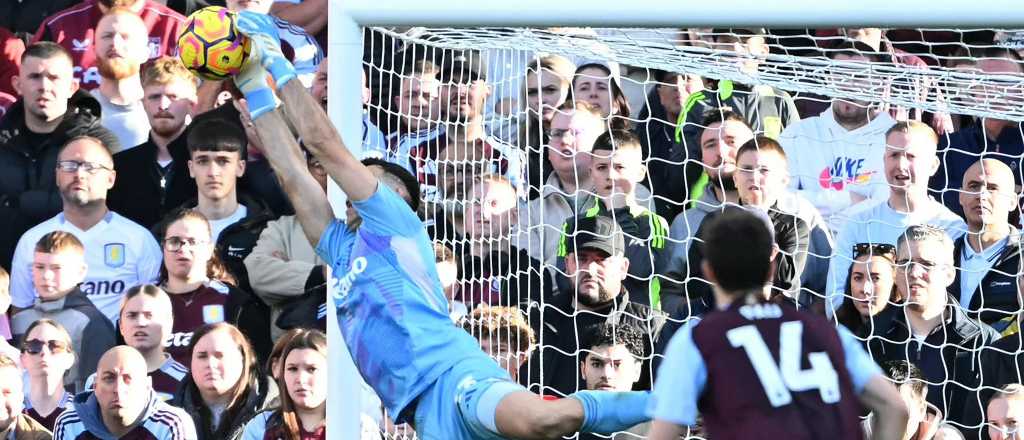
<point>345,43</point>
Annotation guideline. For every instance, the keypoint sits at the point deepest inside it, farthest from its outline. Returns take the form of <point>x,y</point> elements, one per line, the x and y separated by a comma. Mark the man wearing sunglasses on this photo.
<point>119,253</point>
<point>931,330</point>
<point>58,268</point>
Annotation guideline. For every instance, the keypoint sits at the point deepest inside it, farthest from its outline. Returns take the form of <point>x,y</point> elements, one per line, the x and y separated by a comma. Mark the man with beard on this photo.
<point>464,92</point>
<point>75,29</point>
<point>118,252</point>
<point>724,133</point>
<point>596,266</point>
<point>51,111</point>
<point>120,51</point>
<point>836,158</point>
<point>153,177</point>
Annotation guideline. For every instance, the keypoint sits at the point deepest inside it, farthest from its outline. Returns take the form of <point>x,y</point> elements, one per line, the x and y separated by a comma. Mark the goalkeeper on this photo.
<point>392,312</point>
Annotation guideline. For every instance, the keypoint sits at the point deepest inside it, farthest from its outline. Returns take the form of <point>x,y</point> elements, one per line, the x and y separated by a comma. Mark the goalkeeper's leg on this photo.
<point>497,407</point>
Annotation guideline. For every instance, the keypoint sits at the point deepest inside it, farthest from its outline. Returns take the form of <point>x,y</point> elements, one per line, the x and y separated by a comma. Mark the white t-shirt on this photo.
<point>128,122</point>
<point>876,223</point>
<point>218,226</point>
<point>120,255</point>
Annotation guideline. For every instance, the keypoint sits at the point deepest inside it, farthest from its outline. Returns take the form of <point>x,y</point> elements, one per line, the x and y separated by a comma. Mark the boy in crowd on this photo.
<point>616,170</point>
<point>58,268</point>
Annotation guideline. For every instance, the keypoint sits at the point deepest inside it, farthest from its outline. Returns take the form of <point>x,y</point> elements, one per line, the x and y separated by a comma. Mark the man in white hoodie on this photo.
<point>836,158</point>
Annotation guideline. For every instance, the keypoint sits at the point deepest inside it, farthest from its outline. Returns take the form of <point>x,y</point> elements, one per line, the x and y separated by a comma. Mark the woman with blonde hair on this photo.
<point>547,85</point>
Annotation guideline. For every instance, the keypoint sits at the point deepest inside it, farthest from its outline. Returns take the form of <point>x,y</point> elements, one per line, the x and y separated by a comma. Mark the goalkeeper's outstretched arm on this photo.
<point>320,137</point>
<point>312,209</point>
<point>312,124</point>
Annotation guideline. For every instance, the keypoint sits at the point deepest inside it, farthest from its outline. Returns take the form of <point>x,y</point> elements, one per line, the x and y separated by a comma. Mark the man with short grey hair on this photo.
<point>931,330</point>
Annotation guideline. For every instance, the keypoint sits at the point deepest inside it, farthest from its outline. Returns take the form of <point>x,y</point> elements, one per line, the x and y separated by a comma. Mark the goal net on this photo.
<point>492,123</point>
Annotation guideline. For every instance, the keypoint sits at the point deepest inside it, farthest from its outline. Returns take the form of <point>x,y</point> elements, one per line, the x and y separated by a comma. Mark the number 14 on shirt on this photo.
<point>779,380</point>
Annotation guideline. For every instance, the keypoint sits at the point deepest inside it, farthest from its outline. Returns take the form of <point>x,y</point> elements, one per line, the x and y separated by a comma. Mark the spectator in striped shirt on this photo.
<point>123,405</point>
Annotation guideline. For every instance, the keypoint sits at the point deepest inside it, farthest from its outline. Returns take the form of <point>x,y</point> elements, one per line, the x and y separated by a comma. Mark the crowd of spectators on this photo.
<point>160,284</point>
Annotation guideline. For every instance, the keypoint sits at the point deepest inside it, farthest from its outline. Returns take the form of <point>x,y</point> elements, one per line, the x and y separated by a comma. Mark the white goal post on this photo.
<point>345,46</point>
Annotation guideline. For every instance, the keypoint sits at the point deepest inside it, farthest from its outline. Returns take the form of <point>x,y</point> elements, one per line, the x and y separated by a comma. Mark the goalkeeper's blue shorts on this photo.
<point>461,403</point>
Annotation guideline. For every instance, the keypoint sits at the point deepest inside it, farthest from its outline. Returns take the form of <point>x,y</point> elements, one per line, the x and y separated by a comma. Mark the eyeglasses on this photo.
<point>880,249</point>
<point>175,243</point>
<point>907,265</point>
<point>71,166</point>
<point>559,133</point>
<point>35,346</point>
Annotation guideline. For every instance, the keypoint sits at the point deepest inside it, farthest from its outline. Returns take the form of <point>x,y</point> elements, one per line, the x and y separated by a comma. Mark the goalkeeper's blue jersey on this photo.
<point>391,308</point>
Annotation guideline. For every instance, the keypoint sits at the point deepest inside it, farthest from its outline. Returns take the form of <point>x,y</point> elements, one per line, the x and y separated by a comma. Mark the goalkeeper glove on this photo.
<point>252,82</point>
<point>266,45</point>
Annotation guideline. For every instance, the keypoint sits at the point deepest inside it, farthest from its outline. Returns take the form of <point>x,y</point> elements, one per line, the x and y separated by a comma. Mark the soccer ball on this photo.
<point>211,46</point>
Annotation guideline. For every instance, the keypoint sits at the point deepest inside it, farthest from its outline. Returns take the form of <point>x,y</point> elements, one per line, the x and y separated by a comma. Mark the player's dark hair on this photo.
<point>616,139</point>
<point>45,50</point>
<point>738,247</point>
<point>608,334</point>
<point>412,186</point>
<point>209,132</point>
<point>905,373</point>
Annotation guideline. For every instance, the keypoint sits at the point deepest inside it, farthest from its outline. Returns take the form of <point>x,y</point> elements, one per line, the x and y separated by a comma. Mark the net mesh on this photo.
<point>496,191</point>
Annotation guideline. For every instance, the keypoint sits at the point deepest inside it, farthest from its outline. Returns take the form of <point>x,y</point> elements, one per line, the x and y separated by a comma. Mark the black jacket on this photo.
<point>792,235</point>
<point>144,192</point>
<point>28,164</point>
<point>260,397</point>
<point>948,355</point>
<point>669,175</point>
<point>562,331</point>
<point>1002,363</point>
<point>996,296</point>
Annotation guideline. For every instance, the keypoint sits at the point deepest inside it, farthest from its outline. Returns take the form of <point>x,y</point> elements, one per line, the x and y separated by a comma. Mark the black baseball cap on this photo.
<point>599,232</point>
